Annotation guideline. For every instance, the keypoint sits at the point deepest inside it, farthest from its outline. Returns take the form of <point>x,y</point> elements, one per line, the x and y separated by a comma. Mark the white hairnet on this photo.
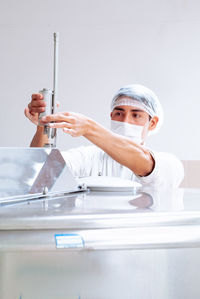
<point>142,95</point>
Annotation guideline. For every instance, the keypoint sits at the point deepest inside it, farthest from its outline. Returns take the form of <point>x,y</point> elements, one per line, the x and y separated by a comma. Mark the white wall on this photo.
<point>104,44</point>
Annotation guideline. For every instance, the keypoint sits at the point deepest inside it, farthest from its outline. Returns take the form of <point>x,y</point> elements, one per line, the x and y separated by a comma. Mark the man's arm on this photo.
<point>39,139</point>
<point>120,148</point>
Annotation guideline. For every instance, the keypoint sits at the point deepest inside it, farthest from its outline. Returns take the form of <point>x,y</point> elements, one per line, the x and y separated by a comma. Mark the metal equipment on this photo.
<point>50,97</point>
<point>101,245</point>
<point>31,173</point>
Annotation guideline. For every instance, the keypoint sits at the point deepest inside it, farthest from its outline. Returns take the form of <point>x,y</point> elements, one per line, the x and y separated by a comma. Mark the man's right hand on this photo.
<point>35,107</point>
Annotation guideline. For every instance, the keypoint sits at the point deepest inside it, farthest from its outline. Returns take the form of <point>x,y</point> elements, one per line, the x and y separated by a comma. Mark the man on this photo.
<point>121,151</point>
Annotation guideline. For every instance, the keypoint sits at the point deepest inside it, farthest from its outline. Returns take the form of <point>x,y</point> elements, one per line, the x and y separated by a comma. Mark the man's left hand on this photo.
<point>74,124</point>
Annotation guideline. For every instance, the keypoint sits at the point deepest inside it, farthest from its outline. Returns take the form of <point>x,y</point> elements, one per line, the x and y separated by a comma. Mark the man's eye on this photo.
<point>135,115</point>
<point>117,113</point>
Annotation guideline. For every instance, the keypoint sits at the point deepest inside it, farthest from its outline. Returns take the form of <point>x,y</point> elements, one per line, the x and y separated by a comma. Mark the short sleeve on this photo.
<point>168,171</point>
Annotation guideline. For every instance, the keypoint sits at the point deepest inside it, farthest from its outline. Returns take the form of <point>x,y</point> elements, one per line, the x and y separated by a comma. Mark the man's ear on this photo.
<point>111,114</point>
<point>153,123</point>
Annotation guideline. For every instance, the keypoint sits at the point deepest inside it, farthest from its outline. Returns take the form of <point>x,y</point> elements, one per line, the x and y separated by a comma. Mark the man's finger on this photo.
<point>70,132</point>
<point>55,117</point>
<point>60,125</point>
<point>31,117</point>
<point>37,109</point>
<point>37,96</point>
<point>26,112</point>
<point>39,103</point>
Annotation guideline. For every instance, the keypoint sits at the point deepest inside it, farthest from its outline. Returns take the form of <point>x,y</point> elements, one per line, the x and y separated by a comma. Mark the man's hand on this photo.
<point>74,124</point>
<point>36,106</point>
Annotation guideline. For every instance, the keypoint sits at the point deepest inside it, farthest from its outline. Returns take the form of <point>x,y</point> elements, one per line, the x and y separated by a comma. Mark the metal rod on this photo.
<point>52,132</point>
<point>55,73</point>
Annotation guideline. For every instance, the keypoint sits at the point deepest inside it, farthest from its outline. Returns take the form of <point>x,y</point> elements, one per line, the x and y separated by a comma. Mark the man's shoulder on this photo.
<point>170,162</point>
<point>165,156</point>
<point>168,170</point>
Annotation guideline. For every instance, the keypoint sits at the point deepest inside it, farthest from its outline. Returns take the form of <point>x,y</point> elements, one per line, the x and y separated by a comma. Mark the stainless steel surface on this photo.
<point>26,171</point>
<point>48,97</point>
<point>102,246</point>
<point>105,221</point>
<point>127,274</point>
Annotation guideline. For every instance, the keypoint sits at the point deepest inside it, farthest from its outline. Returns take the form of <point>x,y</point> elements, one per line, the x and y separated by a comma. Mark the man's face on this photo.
<point>135,116</point>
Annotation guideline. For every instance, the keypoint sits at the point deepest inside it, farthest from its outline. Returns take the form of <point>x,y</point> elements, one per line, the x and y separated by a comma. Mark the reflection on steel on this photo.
<point>27,172</point>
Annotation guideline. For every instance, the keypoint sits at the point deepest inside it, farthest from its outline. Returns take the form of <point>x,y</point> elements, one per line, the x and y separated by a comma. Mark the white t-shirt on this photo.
<point>87,161</point>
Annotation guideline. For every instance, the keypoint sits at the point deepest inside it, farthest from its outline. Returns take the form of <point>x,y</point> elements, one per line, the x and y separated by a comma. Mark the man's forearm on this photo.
<point>121,149</point>
<point>39,138</point>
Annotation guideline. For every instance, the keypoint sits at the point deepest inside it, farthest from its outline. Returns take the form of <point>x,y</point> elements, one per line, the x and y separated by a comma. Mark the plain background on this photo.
<point>104,44</point>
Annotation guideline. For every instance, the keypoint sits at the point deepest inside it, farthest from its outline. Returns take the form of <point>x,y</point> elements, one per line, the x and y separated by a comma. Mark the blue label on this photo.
<point>69,241</point>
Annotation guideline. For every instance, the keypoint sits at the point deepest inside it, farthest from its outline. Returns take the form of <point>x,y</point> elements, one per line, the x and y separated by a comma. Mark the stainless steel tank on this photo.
<point>93,245</point>
<point>100,246</point>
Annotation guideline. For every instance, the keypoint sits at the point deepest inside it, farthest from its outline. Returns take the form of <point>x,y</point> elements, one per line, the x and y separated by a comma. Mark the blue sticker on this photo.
<point>69,241</point>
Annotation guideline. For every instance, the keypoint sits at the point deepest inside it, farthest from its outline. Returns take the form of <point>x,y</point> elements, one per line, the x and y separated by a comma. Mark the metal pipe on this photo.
<point>55,72</point>
<point>53,132</point>
<point>50,97</point>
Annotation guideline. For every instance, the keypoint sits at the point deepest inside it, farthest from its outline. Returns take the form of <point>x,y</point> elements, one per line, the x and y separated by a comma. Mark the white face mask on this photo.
<point>129,130</point>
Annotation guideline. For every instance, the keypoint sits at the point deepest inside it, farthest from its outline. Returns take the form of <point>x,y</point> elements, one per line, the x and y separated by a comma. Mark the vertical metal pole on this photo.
<point>55,72</point>
<point>55,83</point>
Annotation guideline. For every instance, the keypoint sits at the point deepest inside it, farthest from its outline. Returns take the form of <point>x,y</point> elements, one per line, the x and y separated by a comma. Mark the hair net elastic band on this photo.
<point>125,101</point>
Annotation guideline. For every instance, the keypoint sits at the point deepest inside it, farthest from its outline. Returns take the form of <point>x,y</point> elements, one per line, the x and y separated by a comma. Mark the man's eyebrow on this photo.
<point>132,110</point>
<point>120,109</point>
<point>137,110</point>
